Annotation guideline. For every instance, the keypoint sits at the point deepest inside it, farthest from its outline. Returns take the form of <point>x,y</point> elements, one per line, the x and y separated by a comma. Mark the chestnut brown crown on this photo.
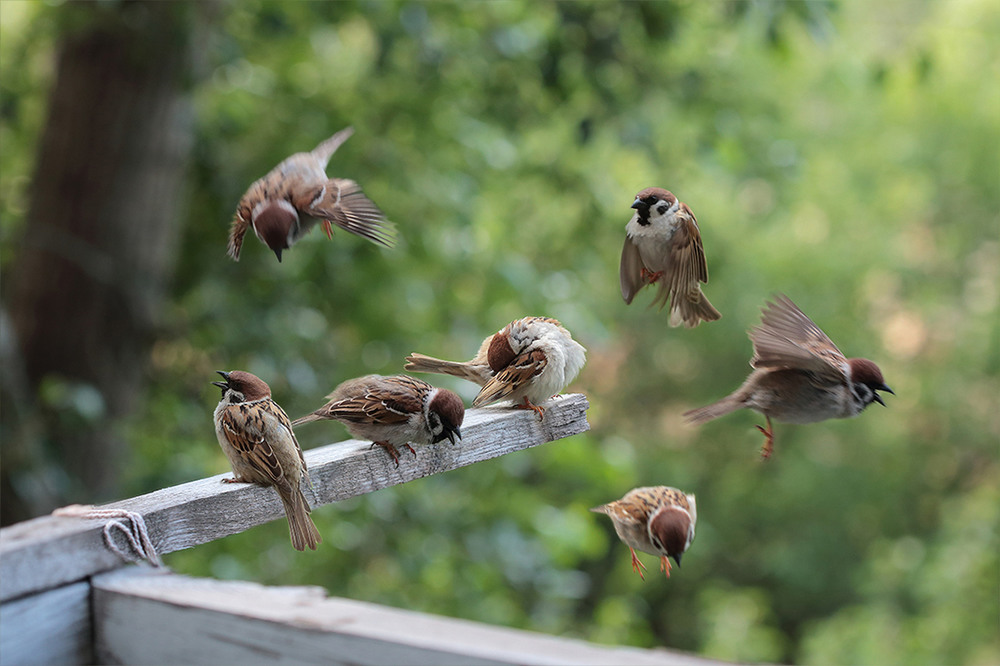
<point>446,412</point>
<point>273,225</point>
<point>868,375</point>
<point>250,386</point>
<point>670,530</point>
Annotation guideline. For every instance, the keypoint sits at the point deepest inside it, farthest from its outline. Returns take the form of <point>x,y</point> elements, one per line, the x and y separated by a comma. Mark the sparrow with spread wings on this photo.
<point>288,202</point>
<point>799,375</point>
<point>663,245</point>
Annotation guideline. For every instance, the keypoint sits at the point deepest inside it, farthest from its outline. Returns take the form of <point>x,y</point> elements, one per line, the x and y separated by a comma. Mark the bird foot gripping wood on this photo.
<point>328,229</point>
<point>768,448</point>
<point>393,451</point>
<point>649,276</point>
<point>665,565</point>
<point>235,480</point>
<point>526,404</point>
<point>637,565</point>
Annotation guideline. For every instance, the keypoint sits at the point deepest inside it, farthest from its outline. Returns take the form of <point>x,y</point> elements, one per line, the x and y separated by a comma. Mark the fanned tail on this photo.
<point>692,310</point>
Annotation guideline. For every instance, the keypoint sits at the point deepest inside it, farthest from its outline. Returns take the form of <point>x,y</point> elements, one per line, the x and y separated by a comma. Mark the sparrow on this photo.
<point>799,375</point>
<point>393,411</point>
<point>657,520</point>
<point>257,438</point>
<point>527,361</point>
<point>287,203</point>
<point>663,244</point>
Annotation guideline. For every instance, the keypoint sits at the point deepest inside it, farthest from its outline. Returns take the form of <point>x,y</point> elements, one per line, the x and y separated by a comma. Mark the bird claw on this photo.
<point>768,448</point>
<point>328,229</point>
<point>665,565</point>
<point>650,276</point>
<point>234,480</point>
<point>391,450</point>
<point>526,404</point>
<point>637,565</point>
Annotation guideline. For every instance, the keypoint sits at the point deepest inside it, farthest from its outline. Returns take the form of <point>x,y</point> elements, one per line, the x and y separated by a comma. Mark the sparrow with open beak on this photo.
<point>257,438</point>
<point>799,376</point>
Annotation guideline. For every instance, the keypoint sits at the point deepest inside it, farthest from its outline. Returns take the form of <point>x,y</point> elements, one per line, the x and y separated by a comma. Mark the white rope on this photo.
<point>129,523</point>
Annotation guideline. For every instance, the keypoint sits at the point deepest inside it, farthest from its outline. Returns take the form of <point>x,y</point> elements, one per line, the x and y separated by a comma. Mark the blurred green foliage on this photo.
<point>843,153</point>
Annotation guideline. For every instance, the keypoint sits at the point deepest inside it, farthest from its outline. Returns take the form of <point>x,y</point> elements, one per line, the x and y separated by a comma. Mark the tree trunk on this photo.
<point>99,244</point>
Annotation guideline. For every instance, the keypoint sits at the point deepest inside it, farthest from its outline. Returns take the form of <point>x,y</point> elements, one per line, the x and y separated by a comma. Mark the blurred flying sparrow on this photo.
<point>393,411</point>
<point>657,520</point>
<point>256,436</point>
<point>286,203</point>
<point>799,375</point>
<point>663,244</point>
<point>528,361</point>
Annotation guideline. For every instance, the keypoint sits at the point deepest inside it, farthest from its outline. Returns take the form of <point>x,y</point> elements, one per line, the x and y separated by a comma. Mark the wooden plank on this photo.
<point>51,551</point>
<point>142,617</point>
<point>48,628</point>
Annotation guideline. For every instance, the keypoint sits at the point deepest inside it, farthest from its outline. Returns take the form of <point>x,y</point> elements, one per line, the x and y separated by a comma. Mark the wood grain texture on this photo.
<point>144,617</point>
<point>48,628</point>
<point>51,551</point>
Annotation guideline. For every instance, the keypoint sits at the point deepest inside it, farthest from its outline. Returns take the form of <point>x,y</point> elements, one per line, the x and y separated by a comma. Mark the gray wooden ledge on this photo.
<point>52,551</point>
<point>143,616</point>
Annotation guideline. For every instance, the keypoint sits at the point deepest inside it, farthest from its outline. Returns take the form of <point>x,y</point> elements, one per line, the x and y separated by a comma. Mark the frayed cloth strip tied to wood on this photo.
<point>129,523</point>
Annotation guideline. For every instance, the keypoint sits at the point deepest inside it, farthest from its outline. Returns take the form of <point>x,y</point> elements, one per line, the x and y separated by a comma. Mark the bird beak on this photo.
<point>677,559</point>
<point>453,434</point>
<point>885,388</point>
<point>879,399</point>
<point>222,385</point>
<point>277,253</point>
<point>637,203</point>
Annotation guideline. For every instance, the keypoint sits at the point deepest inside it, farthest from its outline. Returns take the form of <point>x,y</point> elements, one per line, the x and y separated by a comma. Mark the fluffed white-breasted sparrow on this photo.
<point>257,438</point>
<point>287,203</point>
<point>527,362</point>
<point>393,411</point>
<point>658,520</point>
<point>799,375</point>
<point>663,244</point>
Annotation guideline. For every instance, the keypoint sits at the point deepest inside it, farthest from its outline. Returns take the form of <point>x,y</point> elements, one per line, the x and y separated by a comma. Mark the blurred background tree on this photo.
<point>842,153</point>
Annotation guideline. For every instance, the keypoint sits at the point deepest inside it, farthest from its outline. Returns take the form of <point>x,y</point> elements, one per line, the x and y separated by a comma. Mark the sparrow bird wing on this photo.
<point>626,512</point>
<point>686,266</point>
<point>630,270</point>
<point>518,372</point>
<point>237,230</point>
<point>392,402</point>
<point>788,338</point>
<point>244,426</point>
<point>343,203</point>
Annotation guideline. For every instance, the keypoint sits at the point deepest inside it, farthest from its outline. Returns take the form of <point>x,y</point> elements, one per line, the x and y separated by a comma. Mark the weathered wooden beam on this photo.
<point>142,617</point>
<point>52,551</point>
<point>48,628</point>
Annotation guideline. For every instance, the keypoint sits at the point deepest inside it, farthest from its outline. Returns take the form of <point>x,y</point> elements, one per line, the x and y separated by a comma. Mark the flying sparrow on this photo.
<point>657,520</point>
<point>256,436</point>
<point>527,361</point>
<point>663,244</point>
<point>287,203</point>
<point>393,411</point>
<point>799,375</point>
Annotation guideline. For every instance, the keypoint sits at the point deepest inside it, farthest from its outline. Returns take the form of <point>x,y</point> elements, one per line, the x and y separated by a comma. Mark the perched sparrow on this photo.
<point>286,203</point>
<point>663,244</point>
<point>799,375</point>
<point>527,361</point>
<point>256,436</point>
<point>393,411</point>
<point>657,520</point>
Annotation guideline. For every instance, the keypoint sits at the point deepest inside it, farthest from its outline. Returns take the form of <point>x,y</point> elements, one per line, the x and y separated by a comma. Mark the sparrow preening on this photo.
<point>799,375</point>
<point>286,203</point>
<point>527,361</point>
<point>657,520</point>
<point>393,411</point>
<point>663,244</point>
<point>256,436</point>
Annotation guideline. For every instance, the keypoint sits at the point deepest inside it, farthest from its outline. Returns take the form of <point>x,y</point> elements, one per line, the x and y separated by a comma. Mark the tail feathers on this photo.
<point>480,374</point>
<point>308,418</point>
<point>325,150</point>
<point>300,526</point>
<point>692,310</point>
<point>715,410</point>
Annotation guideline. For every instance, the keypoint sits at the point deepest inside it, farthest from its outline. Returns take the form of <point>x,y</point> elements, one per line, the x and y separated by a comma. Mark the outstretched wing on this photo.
<point>788,338</point>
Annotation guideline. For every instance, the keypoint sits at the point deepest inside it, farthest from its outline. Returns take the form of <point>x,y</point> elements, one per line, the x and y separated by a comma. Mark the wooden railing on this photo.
<point>66,596</point>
